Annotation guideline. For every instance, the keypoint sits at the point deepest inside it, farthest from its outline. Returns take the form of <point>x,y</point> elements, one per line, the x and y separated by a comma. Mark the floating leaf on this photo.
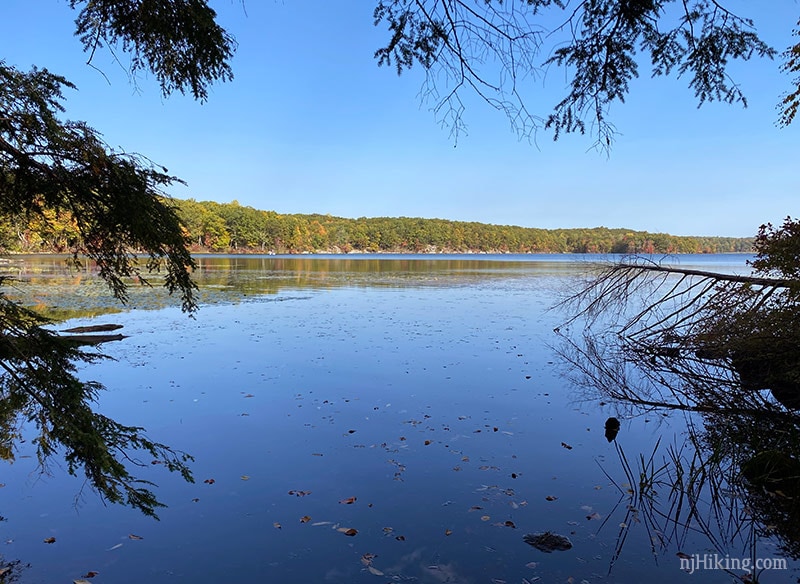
<point>318,523</point>
<point>400,538</point>
<point>567,446</point>
<point>249,395</point>
<point>349,531</point>
<point>551,498</point>
<point>485,518</point>
<point>475,508</point>
<point>375,571</point>
<point>80,582</point>
<point>305,519</point>
<point>594,515</point>
<point>299,493</point>
<point>510,524</point>
<point>427,443</point>
<point>114,547</point>
<point>209,481</point>
<point>131,536</point>
<point>683,556</point>
<point>245,478</point>
<point>50,540</point>
<point>316,454</point>
<point>388,530</point>
<point>276,525</point>
<point>367,558</point>
<point>448,532</point>
<point>348,501</point>
<point>90,574</point>
<point>195,500</point>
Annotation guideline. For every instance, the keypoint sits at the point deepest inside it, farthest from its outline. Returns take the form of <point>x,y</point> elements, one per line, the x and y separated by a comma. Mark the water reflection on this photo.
<point>688,345</point>
<point>58,290</point>
<point>426,393</point>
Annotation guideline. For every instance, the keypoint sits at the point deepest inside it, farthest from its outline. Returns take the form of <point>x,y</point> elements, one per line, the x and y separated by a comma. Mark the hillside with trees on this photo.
<point>233,228</point>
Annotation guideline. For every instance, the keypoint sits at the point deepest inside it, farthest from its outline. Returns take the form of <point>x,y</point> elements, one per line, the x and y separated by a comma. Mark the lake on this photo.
<point>353,419</point>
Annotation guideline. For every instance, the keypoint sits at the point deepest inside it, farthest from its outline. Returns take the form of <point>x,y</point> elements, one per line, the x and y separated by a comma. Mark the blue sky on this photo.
<point>311,124</point>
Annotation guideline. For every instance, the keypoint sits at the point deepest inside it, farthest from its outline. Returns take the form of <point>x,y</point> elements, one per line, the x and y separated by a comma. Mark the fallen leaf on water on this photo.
<point>427,443</point>
<point>195,500</point>
<point>348,531</point>
<point>448,532</point>
<point>316,454</point>
<point>551,498</point>
<point>567,446</point>
<point>475,508</point>
<point>80,582</point>
<point>131,536</point>
<point>245,477</point>
<point>209,481</point>
<point>276,525</point>
<point>683,556</point>
<point>510,524</point>
<point>400,538</point>
<point>305,519</point>
<point>348,501</point>
<point>90,574</point>
<point>532,565</point>
<point>498,581</point>
<point>318,523</point>
<point>485,518</point>
<point>50,540</point>
<point>249,395</point>
<point>594,515</point>
<point>388,530</point>
<point>299,493</point>
<point>375,571</point>
<point>367,558</point>
<point>114,547</point>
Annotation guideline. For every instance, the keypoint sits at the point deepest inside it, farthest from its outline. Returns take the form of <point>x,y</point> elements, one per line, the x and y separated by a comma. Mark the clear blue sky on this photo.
<point>310,124</point>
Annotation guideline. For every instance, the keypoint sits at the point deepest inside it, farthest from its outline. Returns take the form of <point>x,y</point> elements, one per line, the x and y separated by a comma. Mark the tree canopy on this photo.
<point>494,49</point>
<point>51,168</point>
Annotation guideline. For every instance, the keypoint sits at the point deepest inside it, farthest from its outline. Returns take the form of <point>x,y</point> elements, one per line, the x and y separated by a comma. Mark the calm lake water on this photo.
<point>415,399</point>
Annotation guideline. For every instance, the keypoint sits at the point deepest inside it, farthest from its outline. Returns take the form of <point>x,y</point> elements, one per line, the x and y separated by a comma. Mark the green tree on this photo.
<point>116,202</point>
<point>490,48</point>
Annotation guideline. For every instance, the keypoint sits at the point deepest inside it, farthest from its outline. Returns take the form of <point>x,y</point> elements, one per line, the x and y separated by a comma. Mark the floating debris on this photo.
<point>548,542</point>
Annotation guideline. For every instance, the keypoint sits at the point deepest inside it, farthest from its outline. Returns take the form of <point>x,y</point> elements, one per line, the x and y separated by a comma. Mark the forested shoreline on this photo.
<point>233,228</point>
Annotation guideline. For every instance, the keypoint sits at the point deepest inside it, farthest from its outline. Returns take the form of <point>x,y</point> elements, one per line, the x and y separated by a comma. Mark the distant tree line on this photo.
<point>231,227</point>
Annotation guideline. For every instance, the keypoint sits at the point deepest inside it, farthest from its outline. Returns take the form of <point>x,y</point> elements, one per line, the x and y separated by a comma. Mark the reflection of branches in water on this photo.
<point>722,349</point>
<point>678,492</point>
<point>684,339</point>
